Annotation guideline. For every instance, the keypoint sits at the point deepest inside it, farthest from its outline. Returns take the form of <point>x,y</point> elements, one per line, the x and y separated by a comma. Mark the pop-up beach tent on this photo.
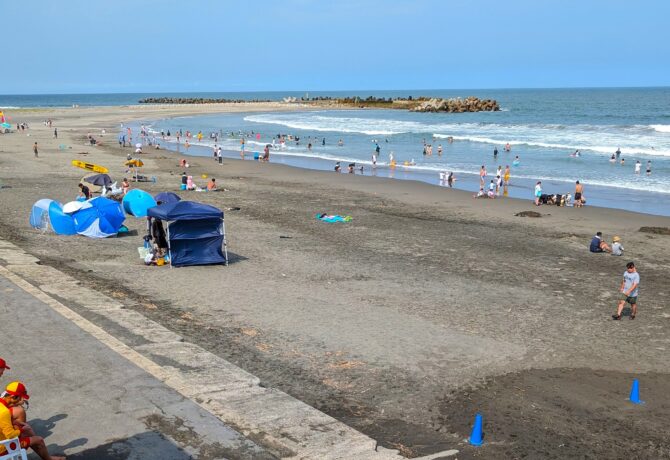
<point>136,202</point>
<point>48,215</point>
<point>196,233</point>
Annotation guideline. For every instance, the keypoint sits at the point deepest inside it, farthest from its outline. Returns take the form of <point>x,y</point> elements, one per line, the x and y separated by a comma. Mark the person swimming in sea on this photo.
<point>516,161</point>
<point>612,159</point>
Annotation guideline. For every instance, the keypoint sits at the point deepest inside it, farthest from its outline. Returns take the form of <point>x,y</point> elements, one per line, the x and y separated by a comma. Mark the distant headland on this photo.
<point>420,104</point>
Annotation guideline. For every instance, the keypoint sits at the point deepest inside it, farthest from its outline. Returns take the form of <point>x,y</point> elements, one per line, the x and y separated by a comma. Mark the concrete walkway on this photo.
<point>91,403</point>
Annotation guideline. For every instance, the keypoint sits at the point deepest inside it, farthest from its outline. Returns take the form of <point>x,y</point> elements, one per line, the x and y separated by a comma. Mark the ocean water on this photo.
<point>543,127</point>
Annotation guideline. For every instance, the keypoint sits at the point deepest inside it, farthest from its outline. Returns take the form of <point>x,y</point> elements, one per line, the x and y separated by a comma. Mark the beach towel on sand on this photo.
<point>332,219</point>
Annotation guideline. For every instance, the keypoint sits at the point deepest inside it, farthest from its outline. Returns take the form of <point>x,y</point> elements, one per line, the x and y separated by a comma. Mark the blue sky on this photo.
<point>78,46</point>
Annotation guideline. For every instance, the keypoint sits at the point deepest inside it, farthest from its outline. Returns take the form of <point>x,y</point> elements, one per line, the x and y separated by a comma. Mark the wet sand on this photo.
<point>426,308</point>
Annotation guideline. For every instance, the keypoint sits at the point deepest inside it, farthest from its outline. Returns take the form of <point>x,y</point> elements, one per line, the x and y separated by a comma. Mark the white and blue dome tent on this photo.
<point>136,202</point>
<point>99,218</point>
<point>48,215</point>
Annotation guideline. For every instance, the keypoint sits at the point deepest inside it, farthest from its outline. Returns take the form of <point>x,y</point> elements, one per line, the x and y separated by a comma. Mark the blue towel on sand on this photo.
<point>333,219</point>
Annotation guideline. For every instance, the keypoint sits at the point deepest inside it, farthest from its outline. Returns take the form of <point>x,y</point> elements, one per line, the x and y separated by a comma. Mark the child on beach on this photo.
<point>617,248</point>
<point>506,175</point>
<point>538,193</point>
<point>629,291</point>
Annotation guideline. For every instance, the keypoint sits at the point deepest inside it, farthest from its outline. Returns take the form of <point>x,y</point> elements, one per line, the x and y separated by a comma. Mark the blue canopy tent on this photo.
<point>196,233</point>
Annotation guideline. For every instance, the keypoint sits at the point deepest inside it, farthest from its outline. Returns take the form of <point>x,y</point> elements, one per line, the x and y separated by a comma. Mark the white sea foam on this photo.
<point>661,128</point>
<point>631,139</point>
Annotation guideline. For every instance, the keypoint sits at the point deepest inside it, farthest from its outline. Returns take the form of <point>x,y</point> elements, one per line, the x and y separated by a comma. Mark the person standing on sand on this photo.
<point>629,291</point>
<point>482,175</point>
<point>35,150</point>
<point>450,179</point>
<point>538,192</point>
<point>579,190</point>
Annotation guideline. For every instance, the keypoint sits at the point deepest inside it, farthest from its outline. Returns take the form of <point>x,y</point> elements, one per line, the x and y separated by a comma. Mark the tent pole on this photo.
<point>225,243</point>
<point>169,246</point>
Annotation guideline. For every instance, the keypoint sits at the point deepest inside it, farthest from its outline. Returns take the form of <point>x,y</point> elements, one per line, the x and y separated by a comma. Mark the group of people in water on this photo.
<point>615,158</point>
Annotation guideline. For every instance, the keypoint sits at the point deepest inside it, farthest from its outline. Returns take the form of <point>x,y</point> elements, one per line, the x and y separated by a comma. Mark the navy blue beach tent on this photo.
<point>196,233</point>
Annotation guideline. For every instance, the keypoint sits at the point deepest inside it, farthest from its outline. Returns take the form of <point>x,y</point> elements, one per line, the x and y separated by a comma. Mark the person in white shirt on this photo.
<point>638,167</point>
<point>617,247</point>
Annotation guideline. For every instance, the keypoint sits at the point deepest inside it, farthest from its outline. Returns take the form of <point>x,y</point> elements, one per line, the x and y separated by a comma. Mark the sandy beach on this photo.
<point>429,306</point>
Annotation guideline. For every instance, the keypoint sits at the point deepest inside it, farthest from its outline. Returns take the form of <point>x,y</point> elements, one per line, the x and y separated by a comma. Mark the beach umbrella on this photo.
<point>167,197</point>
<point>134,163</point>
<point>99,179</point>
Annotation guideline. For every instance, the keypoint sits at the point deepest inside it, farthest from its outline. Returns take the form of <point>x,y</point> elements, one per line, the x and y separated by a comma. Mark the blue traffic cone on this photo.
<point>635,393</point>
<point>477,437</point>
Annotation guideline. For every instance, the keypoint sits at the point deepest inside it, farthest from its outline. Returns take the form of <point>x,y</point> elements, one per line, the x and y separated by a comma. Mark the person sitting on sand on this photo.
<point>338,168</point>
<point>125,186</point>
<point>15,394</point>
<point>598,245</point>
<point>211,185</point>
<point>189,183</point>
<point>617,247</point>
<point>481,193</point>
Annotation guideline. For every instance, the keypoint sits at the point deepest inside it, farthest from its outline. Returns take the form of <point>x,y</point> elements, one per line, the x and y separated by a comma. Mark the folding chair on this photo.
<point>13,450</point>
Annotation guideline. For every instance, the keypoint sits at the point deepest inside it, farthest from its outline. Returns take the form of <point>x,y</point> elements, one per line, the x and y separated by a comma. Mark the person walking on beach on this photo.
<point>35,150</point>
<point>55,133</point>
<point>450,179</point>
<point>579,190</point>
<point>629,290</point>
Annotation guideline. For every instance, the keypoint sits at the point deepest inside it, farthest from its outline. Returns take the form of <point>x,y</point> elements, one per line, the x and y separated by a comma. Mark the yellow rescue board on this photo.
<point>90,167</point>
